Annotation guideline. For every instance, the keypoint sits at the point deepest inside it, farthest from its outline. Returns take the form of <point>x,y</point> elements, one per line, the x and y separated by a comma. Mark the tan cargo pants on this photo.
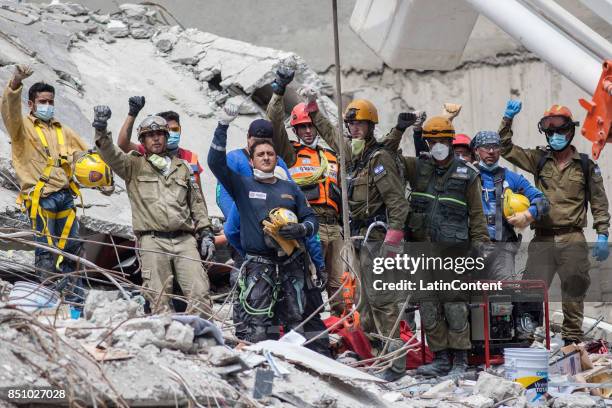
<point>331,243</point>
<point>159,269</point>
<point>568,256</point>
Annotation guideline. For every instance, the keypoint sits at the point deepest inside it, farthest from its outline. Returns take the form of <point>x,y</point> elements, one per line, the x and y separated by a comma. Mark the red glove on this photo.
<point>312,107</point>
<point>394,237</point>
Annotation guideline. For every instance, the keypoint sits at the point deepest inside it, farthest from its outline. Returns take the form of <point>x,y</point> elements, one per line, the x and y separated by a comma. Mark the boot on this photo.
<point>390,375</point>
<point>459,363</point>
<point>439,367</point>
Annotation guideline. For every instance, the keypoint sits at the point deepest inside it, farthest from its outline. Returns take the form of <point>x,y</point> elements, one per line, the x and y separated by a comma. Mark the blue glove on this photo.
<point>513,107</point>
<point>601,250</point>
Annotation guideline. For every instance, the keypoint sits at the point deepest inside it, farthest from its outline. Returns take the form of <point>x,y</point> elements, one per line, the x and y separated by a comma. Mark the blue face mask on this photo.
<point>557,142</point>
<point>489,167</point>
<point>173,140</point>
<point>44,112</point>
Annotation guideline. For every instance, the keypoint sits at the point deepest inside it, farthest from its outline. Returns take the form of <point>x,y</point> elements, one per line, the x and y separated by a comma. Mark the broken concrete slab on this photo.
<point>117,29</point>
<point>574,401</point>
<point>312,360</point>
<point>186,52</point>
<point>477,401</point>
<point>180,335</point>
<point>440,390</point>
<point>222,356</point>
<point>496,388</point>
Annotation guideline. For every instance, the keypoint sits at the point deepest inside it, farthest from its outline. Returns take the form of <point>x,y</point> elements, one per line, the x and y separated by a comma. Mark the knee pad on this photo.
<point>456,314</point>
<point>430,315</point>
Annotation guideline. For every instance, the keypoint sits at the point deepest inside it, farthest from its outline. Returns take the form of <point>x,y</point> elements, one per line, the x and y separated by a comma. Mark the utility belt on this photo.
<point>549,232</point>
<point>490,219</point>
<point>271,279</point>
<point>328,219</point>
<point>357,225</point>
<point>163,234</point>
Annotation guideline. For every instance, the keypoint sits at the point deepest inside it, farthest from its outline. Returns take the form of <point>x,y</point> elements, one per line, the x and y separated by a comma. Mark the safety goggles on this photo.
<point>490,147</point>
<point>174,129</point>
<point>550,125</point>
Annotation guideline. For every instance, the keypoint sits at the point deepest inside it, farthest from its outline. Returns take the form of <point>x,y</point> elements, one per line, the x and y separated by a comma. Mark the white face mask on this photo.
<point>262,175</point>
<point>314,143</point>
<point>440,151</point>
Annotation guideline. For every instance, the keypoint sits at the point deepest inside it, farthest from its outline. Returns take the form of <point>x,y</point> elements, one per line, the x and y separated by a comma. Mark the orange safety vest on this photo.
<point>325,190</point>
<point>191,158</point>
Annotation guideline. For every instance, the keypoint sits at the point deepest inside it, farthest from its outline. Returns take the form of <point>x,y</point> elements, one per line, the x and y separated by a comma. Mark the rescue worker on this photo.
<point>445,207</point>
<point>314,168</point>
<point>239,162</point>
<point>376,193</point>
<point>272,277</point>
<point>136,103</point>
<point>169,214</point>
<point>43,153</point>
<point>462,149</point>
<point>571,181</point>
<point>498,184</point>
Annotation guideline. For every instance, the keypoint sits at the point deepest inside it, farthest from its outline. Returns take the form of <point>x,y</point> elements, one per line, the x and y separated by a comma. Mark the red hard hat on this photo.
<point>559,110</point>
<point>299,115</point>
<point>462,140</point>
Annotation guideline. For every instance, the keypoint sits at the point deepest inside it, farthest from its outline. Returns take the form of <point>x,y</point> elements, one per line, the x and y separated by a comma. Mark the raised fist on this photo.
<point>136,105</point>
<point>102,114</point>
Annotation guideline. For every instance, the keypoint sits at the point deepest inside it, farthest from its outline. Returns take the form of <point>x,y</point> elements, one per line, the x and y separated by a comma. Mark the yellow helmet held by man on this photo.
<point>438,127</point>
<point>514,203</point>
<point>91,171</point>
<point>361,109</point>
<point>280,217</point>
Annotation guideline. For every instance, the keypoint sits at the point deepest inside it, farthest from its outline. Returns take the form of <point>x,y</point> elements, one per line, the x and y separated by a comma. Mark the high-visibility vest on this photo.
<point>316,172</point>
<point>192,159</point>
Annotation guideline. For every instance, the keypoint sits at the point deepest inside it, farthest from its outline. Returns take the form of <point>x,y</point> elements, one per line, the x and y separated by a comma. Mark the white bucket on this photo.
<point>30,297</point>
<point>528,367</point>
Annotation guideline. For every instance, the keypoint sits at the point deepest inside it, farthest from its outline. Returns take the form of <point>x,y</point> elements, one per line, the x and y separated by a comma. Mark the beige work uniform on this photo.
<point>168,212</point>
<point>559,245</point>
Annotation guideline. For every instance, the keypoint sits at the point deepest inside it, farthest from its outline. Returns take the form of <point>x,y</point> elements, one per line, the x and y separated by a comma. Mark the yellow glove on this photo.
<point>451,110</point>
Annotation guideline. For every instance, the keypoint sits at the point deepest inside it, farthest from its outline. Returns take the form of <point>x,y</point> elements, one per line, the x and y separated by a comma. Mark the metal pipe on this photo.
<point>341,144</point>
<point>539,37</point>
<point>573,27</point>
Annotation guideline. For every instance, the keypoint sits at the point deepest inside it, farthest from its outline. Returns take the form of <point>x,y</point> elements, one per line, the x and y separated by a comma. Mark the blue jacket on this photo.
<point>518,184</point>
<point>238,162</point>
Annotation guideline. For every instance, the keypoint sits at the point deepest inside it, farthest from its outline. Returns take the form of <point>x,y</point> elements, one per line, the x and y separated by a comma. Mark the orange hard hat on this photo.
<point>558,110</point>
<point>299,115</point>
<point>462,139</point>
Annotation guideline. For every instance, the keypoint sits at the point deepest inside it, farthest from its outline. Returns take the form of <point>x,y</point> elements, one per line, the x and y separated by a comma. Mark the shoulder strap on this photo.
<point>540,165</point>
<point>584,164</point>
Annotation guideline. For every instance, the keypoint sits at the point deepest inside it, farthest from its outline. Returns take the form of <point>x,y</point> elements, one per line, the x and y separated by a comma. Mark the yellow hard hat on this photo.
<point>438,127</point>
<point>283,216</point>
<point>514,203</point>
<point>91,171</point>
<point>361,109</point>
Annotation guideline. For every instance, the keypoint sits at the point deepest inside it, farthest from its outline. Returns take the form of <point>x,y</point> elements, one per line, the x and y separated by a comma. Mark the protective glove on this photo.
<point>404,120</point>
<point>601,250</point>
<point>513,106</point>
<point>102,114</point>
<point>310,97</point>
<point>136,104</point>
<point>207,247</point>
<point>284,76</point>
<point>295,230</point>
<point>421,117</point>
<point>321,281</point>
<point>521,219</point>
<point>22,71</point>
<point>229,113</point>
<point>394,237</point>
<point>451,110</point>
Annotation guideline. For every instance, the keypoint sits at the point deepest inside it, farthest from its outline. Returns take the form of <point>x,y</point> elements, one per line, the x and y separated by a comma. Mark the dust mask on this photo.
<point>557,142</point>
<point>44,112</point>
<point>161,163</point>
<point>262,175</point>
<point>440,151</point>
<point>489,167</point>
<point>357,146</point>
<point>173,140</point>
